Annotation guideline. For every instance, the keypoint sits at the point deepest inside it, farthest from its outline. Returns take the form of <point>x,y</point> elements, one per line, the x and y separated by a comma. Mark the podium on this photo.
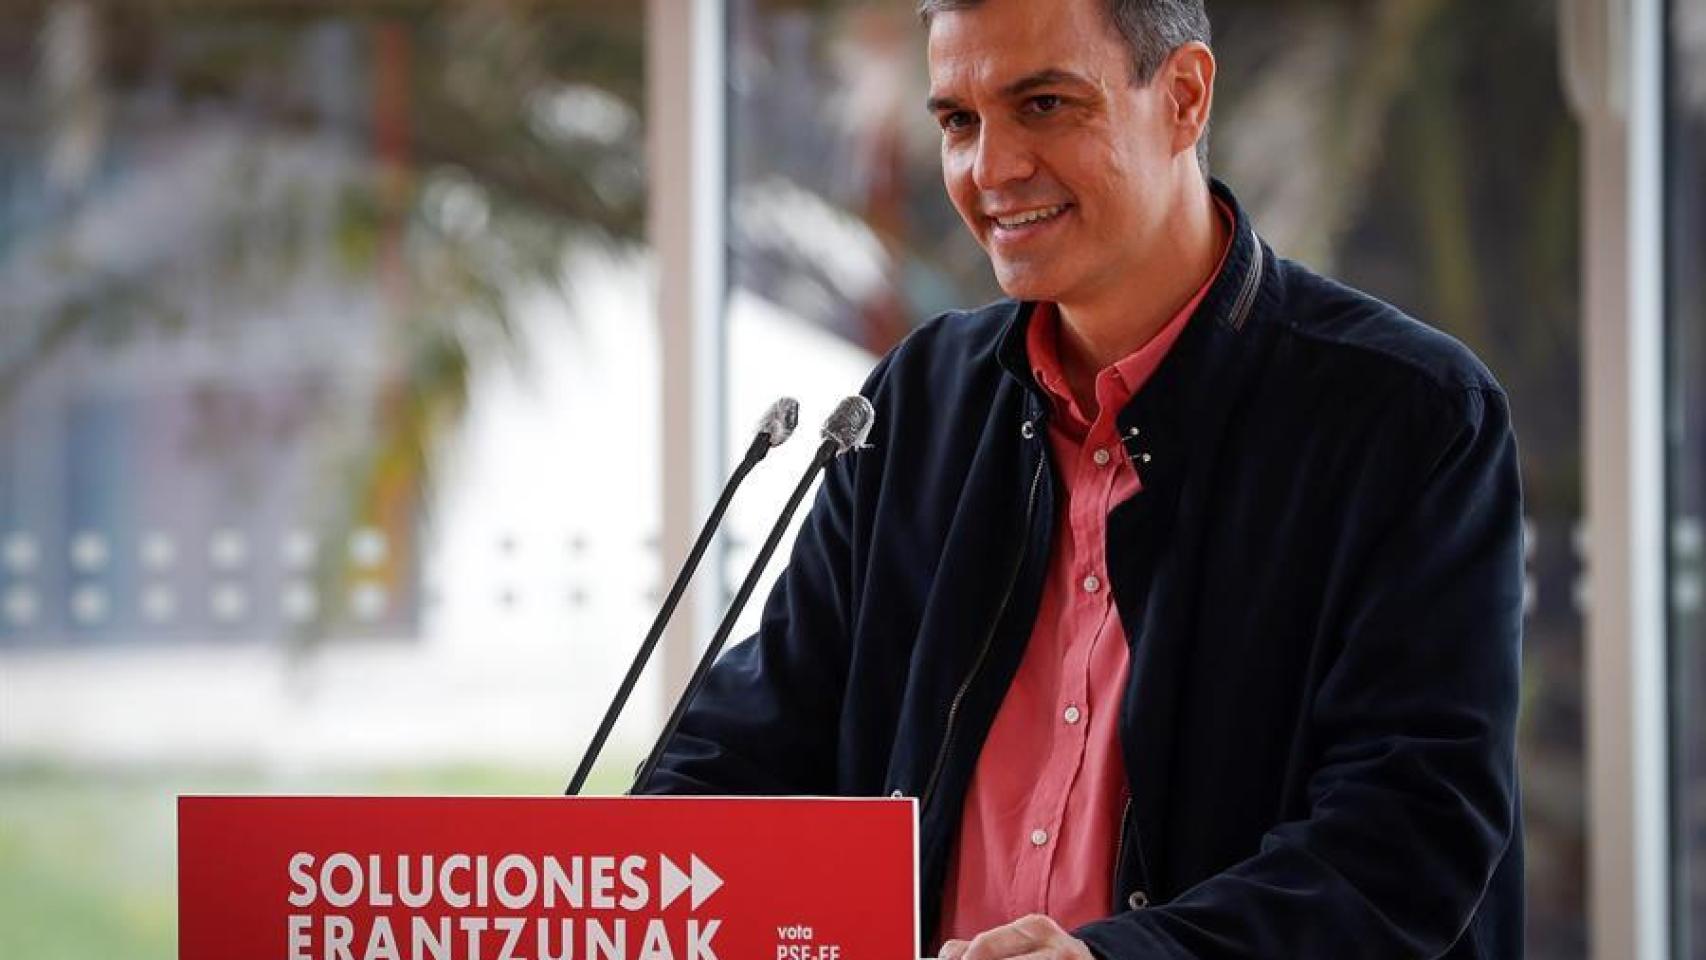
<point>547,878</point>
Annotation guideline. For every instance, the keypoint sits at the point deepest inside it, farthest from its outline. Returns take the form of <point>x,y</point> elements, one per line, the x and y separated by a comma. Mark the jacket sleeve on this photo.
<point>1412,797</point>
<point>766,720</point>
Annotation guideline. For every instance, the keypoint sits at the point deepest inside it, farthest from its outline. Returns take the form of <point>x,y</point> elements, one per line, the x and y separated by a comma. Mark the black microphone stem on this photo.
<point>821,459</point>
<point>760,447</point>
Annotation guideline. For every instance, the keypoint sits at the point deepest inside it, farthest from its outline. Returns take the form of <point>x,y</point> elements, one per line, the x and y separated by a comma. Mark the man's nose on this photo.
<point>1003,157</point>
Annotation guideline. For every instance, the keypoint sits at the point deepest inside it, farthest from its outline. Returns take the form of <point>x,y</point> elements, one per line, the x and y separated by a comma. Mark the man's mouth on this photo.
<point>1025,218</point>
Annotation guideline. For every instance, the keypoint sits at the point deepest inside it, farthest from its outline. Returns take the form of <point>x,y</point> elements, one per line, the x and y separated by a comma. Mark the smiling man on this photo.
<point>1183,588</point>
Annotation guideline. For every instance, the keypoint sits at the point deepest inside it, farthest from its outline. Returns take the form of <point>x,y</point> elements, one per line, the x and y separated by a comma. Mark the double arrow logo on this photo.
<point>701,880</point>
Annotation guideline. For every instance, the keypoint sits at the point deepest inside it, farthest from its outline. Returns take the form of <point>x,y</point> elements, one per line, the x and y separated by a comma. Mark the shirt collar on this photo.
<point>1117,383</point>
<point>1246,294</point>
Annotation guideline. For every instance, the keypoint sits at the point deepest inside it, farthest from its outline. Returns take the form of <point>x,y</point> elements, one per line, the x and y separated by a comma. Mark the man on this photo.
<point>1183,589</point>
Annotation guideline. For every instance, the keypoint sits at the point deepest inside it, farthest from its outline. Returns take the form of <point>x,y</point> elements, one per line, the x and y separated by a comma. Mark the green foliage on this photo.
<point>88,860</point>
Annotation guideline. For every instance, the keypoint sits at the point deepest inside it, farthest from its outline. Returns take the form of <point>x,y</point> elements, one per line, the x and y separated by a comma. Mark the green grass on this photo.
<point>88,861</point>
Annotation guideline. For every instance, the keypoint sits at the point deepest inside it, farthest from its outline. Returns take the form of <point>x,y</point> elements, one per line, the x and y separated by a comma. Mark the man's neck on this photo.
<point>1098,333</point>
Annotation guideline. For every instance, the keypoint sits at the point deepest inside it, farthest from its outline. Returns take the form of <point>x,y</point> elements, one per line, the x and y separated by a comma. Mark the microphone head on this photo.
<point>780,420</point>
<point>850,424</point>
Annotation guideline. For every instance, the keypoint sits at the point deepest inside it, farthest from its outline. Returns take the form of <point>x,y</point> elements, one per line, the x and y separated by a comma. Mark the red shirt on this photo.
<point>1042,814</point>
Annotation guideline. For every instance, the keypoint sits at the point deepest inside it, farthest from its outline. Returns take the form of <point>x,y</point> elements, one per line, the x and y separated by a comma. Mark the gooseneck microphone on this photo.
<point>844,431</point>
<point>774,429</point>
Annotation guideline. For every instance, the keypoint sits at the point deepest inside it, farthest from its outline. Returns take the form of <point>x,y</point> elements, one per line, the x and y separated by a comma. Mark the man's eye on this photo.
<point>1045,103</point>
<point>957,120</point>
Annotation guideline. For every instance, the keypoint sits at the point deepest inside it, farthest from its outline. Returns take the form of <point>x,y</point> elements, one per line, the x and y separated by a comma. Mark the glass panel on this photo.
<point>1686,428</point>
<point>315,317</point>
<point>840,237</point>
<point>1420,151</point>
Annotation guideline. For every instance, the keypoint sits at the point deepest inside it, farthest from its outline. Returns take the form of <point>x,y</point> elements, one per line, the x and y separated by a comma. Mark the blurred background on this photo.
<point>334,421</point>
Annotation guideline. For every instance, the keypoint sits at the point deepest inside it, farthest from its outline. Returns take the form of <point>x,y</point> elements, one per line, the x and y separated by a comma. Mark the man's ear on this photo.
<point>1188,74</point>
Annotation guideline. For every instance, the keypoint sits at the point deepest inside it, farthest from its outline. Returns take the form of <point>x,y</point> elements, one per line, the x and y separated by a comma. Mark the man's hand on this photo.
<point>1033,938</point>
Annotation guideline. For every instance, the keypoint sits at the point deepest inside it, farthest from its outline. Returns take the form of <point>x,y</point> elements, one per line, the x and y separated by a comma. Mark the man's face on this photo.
<point>1060,164</point>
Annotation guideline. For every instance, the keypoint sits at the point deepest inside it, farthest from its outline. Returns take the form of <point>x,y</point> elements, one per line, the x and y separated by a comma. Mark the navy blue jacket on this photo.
<point>1321,584</point>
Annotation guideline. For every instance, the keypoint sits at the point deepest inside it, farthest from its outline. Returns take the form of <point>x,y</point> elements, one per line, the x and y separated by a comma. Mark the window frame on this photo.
<point>1612,52</point>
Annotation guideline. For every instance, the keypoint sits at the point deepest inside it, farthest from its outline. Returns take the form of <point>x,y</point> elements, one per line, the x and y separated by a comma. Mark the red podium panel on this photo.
<point>477,878</point>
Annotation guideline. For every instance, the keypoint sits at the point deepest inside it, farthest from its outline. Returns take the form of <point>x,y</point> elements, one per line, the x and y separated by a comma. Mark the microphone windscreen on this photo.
<point>850,424</point>
<point>780,420</point>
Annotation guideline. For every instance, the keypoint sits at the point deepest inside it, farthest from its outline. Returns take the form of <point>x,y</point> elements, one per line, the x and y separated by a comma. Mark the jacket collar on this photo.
<point>1241,291</point>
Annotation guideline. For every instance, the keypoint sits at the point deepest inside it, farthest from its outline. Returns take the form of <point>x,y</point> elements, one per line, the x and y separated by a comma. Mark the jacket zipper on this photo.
<point>988,642</point>
<point>1119,849</point>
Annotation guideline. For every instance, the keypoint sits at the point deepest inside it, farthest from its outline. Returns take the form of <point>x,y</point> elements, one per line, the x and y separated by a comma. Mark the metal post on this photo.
<point>685,144</point>
<point>1613,74</point>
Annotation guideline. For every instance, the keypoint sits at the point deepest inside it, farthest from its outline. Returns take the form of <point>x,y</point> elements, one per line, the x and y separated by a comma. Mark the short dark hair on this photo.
<point>1151,29</point>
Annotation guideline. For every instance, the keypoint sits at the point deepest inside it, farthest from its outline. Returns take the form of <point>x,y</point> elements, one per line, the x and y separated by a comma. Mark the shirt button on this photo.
<point>1039,837</point>
<point>1072,715</point>
<point>1092,583</point>
<point>1102,457</point>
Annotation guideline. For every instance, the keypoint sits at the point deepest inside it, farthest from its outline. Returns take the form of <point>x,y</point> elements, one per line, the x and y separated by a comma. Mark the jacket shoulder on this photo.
<point>961,334</point>
<point>953,348</point>
<point>1343,326</point>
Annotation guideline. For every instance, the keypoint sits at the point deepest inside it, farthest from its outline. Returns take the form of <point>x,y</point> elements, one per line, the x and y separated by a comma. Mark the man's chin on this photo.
<point>1026,283</point>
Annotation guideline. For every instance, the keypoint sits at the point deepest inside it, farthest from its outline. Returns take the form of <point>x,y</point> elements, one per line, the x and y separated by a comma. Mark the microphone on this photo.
<point>844,431</point>
<point>774,429</point>
<point>780,421</point>
<point>849,425</point>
